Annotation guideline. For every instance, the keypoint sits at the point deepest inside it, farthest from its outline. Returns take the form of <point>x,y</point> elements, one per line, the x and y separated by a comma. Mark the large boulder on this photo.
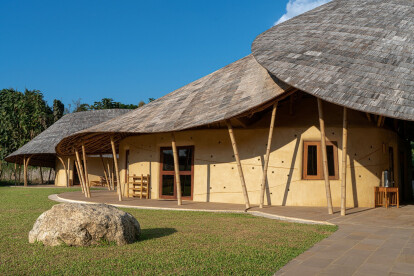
<point>83,225</point>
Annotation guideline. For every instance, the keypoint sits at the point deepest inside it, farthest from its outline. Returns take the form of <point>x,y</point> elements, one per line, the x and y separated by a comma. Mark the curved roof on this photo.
<point>355,53</point>
<point>42,147</point>
<point>228,92</point>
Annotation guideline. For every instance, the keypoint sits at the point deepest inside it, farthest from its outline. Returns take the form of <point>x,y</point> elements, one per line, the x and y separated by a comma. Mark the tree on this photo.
<point>141,103</point>
<point>151,99</point>
<point>58,110</point>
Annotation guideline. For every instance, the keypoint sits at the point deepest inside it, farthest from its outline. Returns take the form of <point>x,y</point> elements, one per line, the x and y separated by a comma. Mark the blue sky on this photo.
<point>127,50</point>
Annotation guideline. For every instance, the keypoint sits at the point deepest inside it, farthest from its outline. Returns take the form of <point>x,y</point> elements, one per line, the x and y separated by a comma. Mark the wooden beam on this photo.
<point>105,173</point>
<point>266,161</point>
<point>116,168</point>
<point>344,159</point>
<point>15,174</point>
<point>87,184</point>
<point>379,121</point>
<point>64,167</point>
<point>369,117</point>
<point>325,158</point>
<point>243,124</point>
<point>176,168</point>
<point>80,173</point>
<point>239,167</point>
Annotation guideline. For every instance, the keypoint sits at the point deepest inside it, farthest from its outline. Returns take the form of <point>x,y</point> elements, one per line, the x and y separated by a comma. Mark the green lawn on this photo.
<point>171,243</point>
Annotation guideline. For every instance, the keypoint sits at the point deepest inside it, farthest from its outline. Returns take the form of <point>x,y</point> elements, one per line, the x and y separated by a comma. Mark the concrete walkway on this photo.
<point>368,242</point>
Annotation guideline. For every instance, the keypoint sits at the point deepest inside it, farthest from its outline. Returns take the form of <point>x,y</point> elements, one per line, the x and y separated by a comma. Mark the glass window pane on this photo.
<point>185,185</point>
<point>185,159</point>
<point>331,162</point>
<point>168,185</point>
<point>312,160</point>
<point>168,160</point>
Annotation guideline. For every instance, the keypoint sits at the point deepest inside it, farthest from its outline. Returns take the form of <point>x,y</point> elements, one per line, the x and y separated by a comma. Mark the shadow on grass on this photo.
<point>155,233</point>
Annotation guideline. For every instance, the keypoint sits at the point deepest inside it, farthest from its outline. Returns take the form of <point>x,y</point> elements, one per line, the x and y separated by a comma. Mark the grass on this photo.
<point>185,243</point>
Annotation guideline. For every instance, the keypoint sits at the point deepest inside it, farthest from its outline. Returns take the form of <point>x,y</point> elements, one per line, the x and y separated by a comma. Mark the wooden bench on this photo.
<point>387,196</point>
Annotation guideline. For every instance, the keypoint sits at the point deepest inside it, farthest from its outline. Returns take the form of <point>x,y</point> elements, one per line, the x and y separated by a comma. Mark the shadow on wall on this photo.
<point>155,233</point>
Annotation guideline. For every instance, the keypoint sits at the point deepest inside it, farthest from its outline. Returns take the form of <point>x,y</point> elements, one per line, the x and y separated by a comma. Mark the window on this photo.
<point>312,160</point>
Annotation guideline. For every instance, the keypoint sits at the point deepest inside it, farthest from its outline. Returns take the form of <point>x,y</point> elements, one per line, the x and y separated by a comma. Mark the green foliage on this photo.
<point>171,242</point>
<point>58,110</point>
<point>22,117</point>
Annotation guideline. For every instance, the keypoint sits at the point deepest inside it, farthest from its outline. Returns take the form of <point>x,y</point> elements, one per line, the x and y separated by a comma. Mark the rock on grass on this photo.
<point>83,225</point>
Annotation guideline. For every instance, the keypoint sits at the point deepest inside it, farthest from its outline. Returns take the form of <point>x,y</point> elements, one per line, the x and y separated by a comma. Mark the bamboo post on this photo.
<point>15,174</point>
<point>116,168</point>
<point>41,175</point>
<point>24,171</point>
<point>239,167</point>
<point>325,158</point>
<point>80,173</point>
<point>48,179</point>
<point>111,181</point>
<point>79,176</point>
<point>266,161</point>
<point>105,173</point>
<point>86,170</point>
<point>176,168</point>
<point>64,167</point>
<point>344,159</point>
<point>68,173</point>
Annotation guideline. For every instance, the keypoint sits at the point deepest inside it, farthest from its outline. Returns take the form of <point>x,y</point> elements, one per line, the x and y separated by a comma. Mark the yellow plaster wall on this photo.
<point>216,177</point>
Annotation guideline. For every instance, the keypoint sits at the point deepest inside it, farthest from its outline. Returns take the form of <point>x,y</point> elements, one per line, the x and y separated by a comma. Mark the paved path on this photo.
<point>376,242</point>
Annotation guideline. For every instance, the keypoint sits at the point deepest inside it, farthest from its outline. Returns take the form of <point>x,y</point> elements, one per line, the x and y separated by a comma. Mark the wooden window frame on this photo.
<point>162,172</point>
<point>319,176</point>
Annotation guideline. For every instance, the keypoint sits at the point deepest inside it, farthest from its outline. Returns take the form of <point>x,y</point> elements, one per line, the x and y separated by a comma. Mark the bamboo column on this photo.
<point>116,168</point>
<point>64,167</point>
<point>86,170</point>
<point>24,171</point>
<point>80,173</point>
<point>41,175</point>
<point>266,163</point>
<point>79,176</point>
<point>176,168</point>
<point>105,173</point>
<point>324,157</point>
<point>15,174</point>
<point>239,167</point>
<point>68,174</point>
<point>344,159</point>
<point>110,175</point>
<point>25,168</point>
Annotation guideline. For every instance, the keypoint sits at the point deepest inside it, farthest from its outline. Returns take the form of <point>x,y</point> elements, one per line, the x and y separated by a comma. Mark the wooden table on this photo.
<point>387,196</point>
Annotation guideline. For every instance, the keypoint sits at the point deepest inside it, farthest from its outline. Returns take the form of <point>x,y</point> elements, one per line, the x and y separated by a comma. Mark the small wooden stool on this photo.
<point>387,196</point>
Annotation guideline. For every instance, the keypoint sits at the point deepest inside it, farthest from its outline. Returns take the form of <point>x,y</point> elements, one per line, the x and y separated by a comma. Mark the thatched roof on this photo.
<point>42,147</point>
<point>230,91</point>
<point>355,53</point>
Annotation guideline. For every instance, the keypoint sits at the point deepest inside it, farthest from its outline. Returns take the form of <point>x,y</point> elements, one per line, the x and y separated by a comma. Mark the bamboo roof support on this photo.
<point>110,175</point>
<point>325,158</point>
<point>176,168</point>
<point>41,175</point>
<point>266,161</point>
<point>116,168</point>
<point>25,168</point>
<point>105,173</point>
<point>80,173</point>
<point>344,159</point>
<point>64,167</point>
<point>87,187</point>
<point>15,174</point>
<point>379,121</point>
<point>79,176</point>
<point>68,174</point>
<point>239,167</point>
